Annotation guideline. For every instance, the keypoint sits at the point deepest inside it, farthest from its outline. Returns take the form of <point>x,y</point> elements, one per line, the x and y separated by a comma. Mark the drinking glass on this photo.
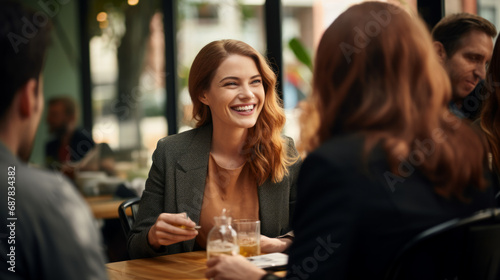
<point>248,233</point>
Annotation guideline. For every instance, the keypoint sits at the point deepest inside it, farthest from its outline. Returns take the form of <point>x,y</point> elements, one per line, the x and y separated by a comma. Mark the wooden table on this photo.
<point>178,266</point>
<point>104,206</point>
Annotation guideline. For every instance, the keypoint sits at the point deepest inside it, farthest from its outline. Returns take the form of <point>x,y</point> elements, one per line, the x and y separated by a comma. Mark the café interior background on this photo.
<point>127,56</point>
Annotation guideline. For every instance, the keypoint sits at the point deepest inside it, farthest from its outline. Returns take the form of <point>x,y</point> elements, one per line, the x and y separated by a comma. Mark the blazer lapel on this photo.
<point>190,173</point>
<point>271,205</point>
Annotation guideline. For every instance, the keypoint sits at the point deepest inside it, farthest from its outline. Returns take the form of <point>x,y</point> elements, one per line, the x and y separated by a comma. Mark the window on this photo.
<point>127,66</point>
<point>490,10</point>
<point>201,22</point>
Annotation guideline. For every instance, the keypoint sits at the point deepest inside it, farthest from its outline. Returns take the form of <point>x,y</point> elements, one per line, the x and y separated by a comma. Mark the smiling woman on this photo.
<point>386,160</point>
<point>236,159</point>
<point>236,95</point>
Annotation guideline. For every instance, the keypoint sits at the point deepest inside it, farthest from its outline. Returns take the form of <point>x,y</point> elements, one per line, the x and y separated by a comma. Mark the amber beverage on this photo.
<point>249,249</point>
<point>248,232</point>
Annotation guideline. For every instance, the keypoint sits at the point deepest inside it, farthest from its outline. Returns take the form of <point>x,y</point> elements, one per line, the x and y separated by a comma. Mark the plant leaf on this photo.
<point>300,52</point>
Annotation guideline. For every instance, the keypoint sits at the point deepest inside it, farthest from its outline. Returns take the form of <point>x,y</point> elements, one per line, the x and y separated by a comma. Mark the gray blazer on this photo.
<point>176,184</point>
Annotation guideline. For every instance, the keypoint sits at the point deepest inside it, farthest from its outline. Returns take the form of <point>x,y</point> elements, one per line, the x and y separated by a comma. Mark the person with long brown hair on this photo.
<point>490,113</point>
<point>388,159</point>
<point>235,158</point>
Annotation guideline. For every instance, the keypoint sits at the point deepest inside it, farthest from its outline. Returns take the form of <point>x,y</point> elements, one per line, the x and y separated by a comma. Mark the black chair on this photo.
<point>467,248</point>
<point>126,220</point>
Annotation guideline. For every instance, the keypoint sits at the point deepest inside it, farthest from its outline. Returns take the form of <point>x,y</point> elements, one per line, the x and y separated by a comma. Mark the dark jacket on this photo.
<point>353,215</point>
<point>176,184</point>
<point>81,142</point>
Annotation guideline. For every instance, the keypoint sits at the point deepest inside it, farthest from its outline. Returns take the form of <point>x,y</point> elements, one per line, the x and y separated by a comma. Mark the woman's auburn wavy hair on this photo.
<point>392,89</point>
<point>264,148</point>
<point>490,114</point>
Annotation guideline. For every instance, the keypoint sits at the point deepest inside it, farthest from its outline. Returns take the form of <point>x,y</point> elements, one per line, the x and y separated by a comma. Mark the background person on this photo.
<point>379,110</point>
<point>70,144</point>
<point>236,158</point>
<point>464,43</point>
<point>54,234</point>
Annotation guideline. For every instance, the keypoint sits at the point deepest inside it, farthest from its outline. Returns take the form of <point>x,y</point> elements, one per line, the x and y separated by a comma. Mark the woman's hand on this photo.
<point>273,245</point>
<point>232,268</point>
<point>171,228</point>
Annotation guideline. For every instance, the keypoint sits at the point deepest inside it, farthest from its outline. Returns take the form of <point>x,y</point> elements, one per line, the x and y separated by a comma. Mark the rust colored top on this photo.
<point>233,189</point>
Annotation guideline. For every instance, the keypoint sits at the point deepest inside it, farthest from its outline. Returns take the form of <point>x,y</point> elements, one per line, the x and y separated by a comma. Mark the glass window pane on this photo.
<point>127,64</point>
<point>203,21</point>
<point>298,47</point>
<point>490,10</point>
<point>304,22</point>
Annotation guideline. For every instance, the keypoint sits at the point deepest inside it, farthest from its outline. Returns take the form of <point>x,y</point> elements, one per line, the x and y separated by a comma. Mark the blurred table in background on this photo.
<point>104,206</point>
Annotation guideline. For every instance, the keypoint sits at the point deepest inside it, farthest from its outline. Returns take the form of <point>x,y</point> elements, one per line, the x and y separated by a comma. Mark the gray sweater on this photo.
<point>51,228</point>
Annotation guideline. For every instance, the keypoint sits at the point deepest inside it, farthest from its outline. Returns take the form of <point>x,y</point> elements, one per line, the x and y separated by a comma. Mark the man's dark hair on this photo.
<point>450,30</point>
<point>24,37</point>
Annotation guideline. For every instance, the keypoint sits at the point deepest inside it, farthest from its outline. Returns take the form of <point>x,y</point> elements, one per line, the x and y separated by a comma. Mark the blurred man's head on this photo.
<point>464,43</point>
<point>24,37</point>
<point>61,115</point>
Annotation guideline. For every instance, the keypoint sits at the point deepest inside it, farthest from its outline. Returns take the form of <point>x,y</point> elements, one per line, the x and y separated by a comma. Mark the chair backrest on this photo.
<point>128,220</point>
<point>467,248</point>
